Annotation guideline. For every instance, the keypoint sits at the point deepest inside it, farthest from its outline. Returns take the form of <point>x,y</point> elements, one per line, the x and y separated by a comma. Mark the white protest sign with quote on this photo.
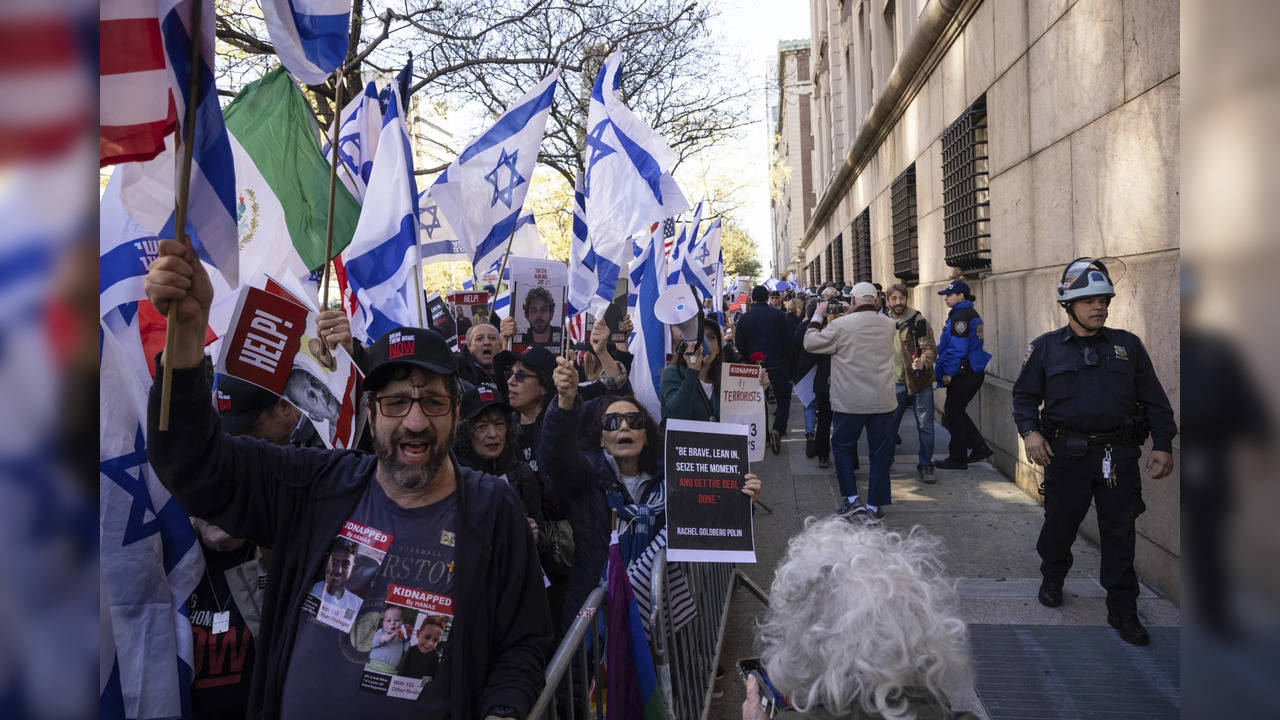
<point>742,402</point>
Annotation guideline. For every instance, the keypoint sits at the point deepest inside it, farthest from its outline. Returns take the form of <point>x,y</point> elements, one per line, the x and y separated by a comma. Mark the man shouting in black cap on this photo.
<point>423,540</point>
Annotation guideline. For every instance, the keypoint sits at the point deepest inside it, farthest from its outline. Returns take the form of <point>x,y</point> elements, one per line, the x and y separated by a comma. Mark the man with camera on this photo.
<point>860,344</point>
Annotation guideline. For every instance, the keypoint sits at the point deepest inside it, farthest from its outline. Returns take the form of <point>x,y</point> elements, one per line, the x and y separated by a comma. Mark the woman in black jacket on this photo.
<point>615,463</point>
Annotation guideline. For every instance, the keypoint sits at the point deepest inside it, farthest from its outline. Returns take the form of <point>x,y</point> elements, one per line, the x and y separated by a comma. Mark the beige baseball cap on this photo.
<point>864,293</point>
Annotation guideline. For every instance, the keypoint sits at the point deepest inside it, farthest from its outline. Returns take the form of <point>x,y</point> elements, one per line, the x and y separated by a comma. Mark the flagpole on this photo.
<point>502,269</point>
<point>333,185</point>
<point>180,209</point>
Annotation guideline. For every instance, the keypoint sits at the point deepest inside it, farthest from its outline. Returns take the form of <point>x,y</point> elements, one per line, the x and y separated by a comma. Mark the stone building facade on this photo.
<point>792,195</point>
<point>999,140</point>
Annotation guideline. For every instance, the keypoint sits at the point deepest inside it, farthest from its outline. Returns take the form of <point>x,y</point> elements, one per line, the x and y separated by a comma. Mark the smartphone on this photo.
<point>772,700</point>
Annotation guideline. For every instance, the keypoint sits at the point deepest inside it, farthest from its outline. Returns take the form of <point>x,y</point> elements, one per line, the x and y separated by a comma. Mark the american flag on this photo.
<point>137,107</point>
<point>668,236</point>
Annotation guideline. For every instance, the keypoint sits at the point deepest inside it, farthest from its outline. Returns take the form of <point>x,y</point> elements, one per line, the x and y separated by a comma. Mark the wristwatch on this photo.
<point>1024,435</point>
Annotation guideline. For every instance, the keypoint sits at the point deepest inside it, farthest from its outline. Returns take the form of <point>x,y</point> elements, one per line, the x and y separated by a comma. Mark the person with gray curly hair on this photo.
<point>861,624</point>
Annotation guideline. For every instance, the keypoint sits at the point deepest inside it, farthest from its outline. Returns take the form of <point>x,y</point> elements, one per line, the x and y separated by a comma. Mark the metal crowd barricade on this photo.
<point>685,660</point>
<point>574,672</point>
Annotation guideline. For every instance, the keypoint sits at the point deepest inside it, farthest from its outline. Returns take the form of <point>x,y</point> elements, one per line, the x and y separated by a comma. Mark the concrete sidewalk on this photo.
<point>989,529</point>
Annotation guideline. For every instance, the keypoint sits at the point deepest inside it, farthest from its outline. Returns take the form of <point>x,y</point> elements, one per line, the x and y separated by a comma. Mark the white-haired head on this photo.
<point>858,614</point>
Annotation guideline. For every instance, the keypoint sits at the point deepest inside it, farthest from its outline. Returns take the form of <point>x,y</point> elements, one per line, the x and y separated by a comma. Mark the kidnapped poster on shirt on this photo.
<point>708,517</point>
<point>405,649</point>
<point>349,569</point>
<point>273,343</point>
<point>538,287</point>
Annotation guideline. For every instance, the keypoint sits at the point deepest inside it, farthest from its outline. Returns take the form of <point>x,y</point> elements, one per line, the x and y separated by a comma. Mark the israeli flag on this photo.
<point>383,256</point>
<point>310,36</point>
<point>437,241</point>
<point>592,279</point>
<point>361,124</point>
<point>525,242</point>
<point>681,264</point>
<point>150,559</point>
<point>706,263</point>
<point>628,181</point>
<point>650,340</point>
<point>483,191</point>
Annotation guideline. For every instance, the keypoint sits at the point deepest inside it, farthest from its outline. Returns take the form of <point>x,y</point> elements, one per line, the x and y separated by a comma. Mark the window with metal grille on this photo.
<point>906,247</point>
<point>861,236</point>
<point>837,260</point>
<point>965,201</point>
<point>829,254</point>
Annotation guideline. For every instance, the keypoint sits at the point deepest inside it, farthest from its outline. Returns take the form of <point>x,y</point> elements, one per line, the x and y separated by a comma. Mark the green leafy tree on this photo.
<point>740,254</point>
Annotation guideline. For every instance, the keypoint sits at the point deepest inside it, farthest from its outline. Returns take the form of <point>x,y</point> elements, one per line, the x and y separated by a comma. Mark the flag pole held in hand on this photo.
<point>333,185</point>
<point>180,211</point>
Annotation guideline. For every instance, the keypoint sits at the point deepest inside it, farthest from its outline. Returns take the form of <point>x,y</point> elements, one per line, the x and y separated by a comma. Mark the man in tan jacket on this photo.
<point>860,344</point>
<point>913,357</point>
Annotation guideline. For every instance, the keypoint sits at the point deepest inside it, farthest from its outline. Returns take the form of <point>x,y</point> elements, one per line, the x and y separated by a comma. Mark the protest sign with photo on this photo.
<point>742,401</point>
<point>274,343</point>
<point>537,302</point>
<point>708,516</point>
<point>469,308</point>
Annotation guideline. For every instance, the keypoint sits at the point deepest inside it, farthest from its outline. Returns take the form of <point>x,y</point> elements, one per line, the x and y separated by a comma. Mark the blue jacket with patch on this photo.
<point>961,338</point>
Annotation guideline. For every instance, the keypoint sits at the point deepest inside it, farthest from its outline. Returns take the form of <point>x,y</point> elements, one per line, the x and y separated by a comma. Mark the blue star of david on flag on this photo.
<point>599,149</point>
<point>434,211</point>
<point>513,180</point>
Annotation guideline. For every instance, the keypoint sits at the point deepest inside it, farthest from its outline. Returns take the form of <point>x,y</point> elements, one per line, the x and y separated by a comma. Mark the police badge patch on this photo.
<point>1122,353</point>
<point>1030,349</point>
<point>960,327</point>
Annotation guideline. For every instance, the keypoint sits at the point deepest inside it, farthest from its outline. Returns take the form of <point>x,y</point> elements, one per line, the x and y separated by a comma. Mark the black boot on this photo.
<point>1050,594</point>
<point>1130,629</point>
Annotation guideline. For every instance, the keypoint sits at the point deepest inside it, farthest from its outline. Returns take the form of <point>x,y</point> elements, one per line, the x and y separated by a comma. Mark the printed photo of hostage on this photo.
<point>310,395</point>
<point>537,313</point>
<point>354,559</point>
<point>405,651</point>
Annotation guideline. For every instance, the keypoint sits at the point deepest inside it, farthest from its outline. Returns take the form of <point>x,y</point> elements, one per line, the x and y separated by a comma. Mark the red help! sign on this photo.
<point>469,298</point>
<point>264,338</point>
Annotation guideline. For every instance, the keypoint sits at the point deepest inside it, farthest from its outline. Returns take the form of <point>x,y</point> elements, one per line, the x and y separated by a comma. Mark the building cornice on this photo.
<point>940,24</point>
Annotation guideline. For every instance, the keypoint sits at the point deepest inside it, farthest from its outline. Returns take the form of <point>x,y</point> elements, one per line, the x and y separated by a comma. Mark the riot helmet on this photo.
<point>1085,278</point>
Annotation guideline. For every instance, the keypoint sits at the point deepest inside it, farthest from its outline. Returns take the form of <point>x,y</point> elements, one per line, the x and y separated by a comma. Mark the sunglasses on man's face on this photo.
<point>613,421</point>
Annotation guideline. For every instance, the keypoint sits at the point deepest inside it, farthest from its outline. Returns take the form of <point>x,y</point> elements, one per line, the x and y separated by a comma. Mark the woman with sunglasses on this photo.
<point>616,464</point>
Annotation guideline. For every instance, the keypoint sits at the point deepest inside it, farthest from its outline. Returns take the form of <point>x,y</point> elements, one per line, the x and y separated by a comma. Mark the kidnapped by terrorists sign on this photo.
<point>708,517</point>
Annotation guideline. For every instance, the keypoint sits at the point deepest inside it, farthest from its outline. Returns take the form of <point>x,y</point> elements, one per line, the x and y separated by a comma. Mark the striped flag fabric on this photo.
<point>358,131</point>
<point>150,560</point>
<point>628,182</point>
<point>282,182</point>
<point>593,279</point>
<point>483,190</point>
<point>650,340</point>
<point>631,680</point>
<point>136,104</point>
<point>310,36</point>
<point>382,258</point>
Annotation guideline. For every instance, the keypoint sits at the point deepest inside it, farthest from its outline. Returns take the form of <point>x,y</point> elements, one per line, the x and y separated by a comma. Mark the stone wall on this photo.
<point>1083,108</point>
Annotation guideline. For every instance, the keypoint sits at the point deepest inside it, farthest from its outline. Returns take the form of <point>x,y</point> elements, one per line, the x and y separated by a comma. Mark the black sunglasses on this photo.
<point>520,375</point>
<point>613,421</point>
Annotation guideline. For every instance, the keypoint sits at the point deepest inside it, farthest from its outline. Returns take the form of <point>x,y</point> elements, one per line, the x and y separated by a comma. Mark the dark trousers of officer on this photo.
<point>1071,481</point>
<point>965,435</point>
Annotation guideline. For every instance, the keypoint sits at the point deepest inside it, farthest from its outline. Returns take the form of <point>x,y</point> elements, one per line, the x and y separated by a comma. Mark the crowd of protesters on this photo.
<point>435,567</point>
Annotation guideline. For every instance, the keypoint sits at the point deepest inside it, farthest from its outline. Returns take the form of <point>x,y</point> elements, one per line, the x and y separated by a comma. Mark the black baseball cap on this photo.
<point>478,398</point>
<point>957,287</point>
<point>239,403</point>
<point>536,358</point>
<point>415,347</point>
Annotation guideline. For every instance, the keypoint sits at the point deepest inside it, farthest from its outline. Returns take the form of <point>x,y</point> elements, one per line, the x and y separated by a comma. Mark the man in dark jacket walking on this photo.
<point>426,540</point>
<point>762,335</point>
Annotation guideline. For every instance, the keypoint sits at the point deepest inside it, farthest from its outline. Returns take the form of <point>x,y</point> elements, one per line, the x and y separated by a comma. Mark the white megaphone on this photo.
<point>678,307</point>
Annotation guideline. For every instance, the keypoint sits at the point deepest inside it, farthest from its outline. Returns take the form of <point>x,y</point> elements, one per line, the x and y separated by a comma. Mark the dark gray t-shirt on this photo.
<point>374,634</point>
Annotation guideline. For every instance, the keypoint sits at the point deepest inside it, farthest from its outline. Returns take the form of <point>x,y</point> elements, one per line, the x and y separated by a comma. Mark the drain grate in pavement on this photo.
<point>1042,671</point>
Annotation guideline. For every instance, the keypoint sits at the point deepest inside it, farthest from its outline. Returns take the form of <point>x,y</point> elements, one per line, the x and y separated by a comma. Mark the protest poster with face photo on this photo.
<point>469,308</point>
<point>538,291</point>
<point>273,343</point>
<point>406,646</point>
<point>708,517</point>
<point>349,568</point>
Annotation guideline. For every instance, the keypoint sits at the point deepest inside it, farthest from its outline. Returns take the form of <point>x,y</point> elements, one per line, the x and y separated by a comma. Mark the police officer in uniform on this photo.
<point>1101,400</point>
